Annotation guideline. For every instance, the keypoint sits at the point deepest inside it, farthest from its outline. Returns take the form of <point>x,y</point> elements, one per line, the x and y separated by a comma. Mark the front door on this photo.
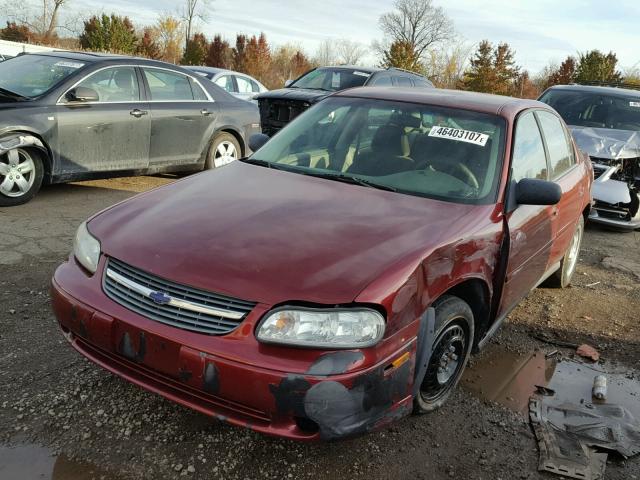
<point>181,117</point>
<point>530,226</point>
<point>109,134</point>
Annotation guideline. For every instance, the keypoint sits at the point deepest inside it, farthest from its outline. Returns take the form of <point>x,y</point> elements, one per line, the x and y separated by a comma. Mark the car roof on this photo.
<point>480,102</point>
<point>616,91</point>
<point>198,68</point>
<point>91,57</point>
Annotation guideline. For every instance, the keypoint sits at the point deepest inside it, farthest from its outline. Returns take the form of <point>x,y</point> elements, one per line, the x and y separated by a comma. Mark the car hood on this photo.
<point>607,143</point>
<point>272,236</point>
<point>295,94</point>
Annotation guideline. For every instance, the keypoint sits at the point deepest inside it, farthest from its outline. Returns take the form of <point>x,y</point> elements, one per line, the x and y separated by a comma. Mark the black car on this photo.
<point>279,107</point>
<point>605,123</point>
<point>75,116</point>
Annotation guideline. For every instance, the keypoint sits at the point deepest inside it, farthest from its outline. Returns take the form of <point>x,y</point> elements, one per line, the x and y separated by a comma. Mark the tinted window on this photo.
<point>118,84</point>
<point>331,79</point>
<point>255,87</point>
<point>168,86</point>
<point>529,160</point>
<point>244,85</point>
<point>225,82</point>
<point>560,156</point>
<point>198,92</point>
<point>403,81</point>
<point>445,153</point>
<point>33,75</point>
<point>382,81</point>
<point>589,109</point>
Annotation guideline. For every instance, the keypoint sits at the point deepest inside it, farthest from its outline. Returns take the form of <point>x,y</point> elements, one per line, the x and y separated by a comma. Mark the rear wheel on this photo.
<point>224,149</point>
<point>449,354</point>
<point>561,278</point>
<point>21,174</point>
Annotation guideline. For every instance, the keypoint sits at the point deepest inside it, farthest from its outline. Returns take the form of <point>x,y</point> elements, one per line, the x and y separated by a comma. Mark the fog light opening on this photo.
<point>306,425</point>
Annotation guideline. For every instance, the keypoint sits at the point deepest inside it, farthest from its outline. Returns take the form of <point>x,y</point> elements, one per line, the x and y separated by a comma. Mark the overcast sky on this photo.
<point>539,31</point>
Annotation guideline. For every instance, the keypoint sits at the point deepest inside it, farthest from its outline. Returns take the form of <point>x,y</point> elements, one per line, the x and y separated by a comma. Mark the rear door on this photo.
<point>566,172</point>
<point>247,88</point>
<point>109,134</point>
<point>530,227</point>
<point>182,114</point>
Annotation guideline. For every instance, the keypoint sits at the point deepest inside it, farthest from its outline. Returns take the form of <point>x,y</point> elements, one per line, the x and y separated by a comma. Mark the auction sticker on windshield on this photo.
<point>459,135</point>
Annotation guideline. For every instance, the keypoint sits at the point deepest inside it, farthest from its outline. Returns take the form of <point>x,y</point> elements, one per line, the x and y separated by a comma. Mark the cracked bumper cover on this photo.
<point>319,404</point>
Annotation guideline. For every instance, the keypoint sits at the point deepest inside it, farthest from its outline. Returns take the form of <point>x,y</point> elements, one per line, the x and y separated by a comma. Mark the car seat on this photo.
<point>389,153</point>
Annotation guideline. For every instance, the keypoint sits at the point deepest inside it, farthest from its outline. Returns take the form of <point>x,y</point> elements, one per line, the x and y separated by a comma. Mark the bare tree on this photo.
<point>326,53</point>
<point>445,65</point>
<point>350,52</point>
<point>193,11</point>
<point>42,16</point>
<point>417,23</point>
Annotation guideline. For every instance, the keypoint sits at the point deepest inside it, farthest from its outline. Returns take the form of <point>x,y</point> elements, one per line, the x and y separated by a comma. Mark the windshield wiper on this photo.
<point>339,177</point>
<point>10,94</point>
<point>256,161</point>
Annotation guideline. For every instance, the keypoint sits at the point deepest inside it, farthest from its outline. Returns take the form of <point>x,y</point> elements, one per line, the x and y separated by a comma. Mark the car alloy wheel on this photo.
<point>574,250</point>
<point>17,173</point>
<point>446,363</point>
<point>226,152</point>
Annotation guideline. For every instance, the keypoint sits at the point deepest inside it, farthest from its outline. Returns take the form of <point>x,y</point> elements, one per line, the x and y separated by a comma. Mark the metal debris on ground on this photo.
<point>572,437</point>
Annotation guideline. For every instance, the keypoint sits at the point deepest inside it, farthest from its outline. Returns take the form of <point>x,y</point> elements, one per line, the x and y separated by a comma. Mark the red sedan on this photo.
<point>340,277</point>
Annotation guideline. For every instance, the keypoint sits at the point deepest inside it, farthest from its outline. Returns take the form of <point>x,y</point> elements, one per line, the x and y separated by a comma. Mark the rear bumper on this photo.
<point>298,406</point>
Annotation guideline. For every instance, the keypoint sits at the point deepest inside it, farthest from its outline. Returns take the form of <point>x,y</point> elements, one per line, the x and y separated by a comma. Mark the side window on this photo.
<point>118,84</point>
<point>560,152</point>
<point>168,86</point>
<point>255,87</point>
<point>402,81</point>
<point>225,82</point>
<point>198,92</point>
<point>529,159</point>
<point>382,81</point>
<point>244,85</point>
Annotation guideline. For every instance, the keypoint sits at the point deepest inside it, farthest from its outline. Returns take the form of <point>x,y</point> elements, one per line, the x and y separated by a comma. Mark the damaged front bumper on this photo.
<point>616,204</point>
<point>338,395</point>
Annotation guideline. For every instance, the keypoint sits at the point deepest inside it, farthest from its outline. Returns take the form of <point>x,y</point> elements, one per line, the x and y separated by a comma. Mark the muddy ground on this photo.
<point>62,417</point>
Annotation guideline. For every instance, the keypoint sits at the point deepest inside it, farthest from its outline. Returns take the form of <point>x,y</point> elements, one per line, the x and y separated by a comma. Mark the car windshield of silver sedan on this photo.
<point>587,109</point>
<point>442,153</point>
<point>29,76</point>
<point>331,79</point>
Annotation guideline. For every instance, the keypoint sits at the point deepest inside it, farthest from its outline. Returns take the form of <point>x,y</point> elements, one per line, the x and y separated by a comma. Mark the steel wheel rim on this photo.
<point>446,363</point>
<point>225,153</point>
<point>17,173</point>
<point>574,250</point>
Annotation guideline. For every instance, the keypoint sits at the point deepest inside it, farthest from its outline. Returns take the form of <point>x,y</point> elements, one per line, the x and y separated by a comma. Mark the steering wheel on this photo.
<point>469,178</point>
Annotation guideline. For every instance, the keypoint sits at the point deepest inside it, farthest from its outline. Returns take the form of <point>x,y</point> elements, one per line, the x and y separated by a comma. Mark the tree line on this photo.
<point>417,36</point>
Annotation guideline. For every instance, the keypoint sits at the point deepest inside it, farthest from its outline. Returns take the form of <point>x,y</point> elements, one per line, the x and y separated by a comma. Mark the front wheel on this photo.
<point>449,354</point>
<point>21,174</point>
<point>562,277</point>
<point>224,149</point>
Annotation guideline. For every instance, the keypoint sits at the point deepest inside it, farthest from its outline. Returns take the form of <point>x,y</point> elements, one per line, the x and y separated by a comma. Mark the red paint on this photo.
<point>274,237</point>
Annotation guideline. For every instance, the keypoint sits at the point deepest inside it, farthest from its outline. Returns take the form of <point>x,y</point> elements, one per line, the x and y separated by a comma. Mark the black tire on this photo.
<point>561,278</point>
<point>454,329</point>
<point>14,195</point>
<point>219,141</point>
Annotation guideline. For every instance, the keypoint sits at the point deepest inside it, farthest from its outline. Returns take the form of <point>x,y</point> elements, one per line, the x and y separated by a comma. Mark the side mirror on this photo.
<point>82,94</point>
<point>288,82</point>
<point>531,191</point>
<point>257,140</point>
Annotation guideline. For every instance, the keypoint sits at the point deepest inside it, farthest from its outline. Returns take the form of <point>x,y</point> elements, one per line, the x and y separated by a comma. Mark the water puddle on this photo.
<point>510,379</point>
<point>32,462</point>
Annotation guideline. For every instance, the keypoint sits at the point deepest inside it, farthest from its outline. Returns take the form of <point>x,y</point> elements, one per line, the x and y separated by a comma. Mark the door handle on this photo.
<point>206,112</point>
<point>138,113</point>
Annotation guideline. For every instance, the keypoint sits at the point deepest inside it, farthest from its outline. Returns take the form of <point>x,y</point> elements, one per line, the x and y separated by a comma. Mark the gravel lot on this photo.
<point>62,417</point>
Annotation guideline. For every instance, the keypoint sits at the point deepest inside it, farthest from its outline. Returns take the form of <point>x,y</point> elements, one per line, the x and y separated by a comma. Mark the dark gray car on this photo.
<point>75,116</point>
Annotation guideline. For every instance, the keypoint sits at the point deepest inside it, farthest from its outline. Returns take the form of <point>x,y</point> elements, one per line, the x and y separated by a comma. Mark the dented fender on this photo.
<point>12,142</point>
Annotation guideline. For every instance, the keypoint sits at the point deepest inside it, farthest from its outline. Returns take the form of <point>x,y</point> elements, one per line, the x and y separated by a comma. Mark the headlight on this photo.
<point>86,248</point>
<point>331,328</point>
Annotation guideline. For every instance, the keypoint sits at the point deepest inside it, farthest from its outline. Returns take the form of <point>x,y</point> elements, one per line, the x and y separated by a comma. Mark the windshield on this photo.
<point>589,109</point>
<point>331,79</point>
<point>32,75</point>
<point>436,152</point>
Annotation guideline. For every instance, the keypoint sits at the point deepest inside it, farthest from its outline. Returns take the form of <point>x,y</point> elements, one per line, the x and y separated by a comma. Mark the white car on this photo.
<point>236,83</point>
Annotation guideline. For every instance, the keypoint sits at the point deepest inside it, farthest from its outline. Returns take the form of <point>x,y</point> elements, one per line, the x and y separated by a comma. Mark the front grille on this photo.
<point>172,303</point>
<point>275,114</point>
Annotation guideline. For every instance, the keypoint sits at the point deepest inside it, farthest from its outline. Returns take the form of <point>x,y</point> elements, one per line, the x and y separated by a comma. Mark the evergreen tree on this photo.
<point>219,54</point>
<point>481,75</point>
<point>109,34</point>
<point>401,54</point>
<point>594,66</point>
<point>196,52</point>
